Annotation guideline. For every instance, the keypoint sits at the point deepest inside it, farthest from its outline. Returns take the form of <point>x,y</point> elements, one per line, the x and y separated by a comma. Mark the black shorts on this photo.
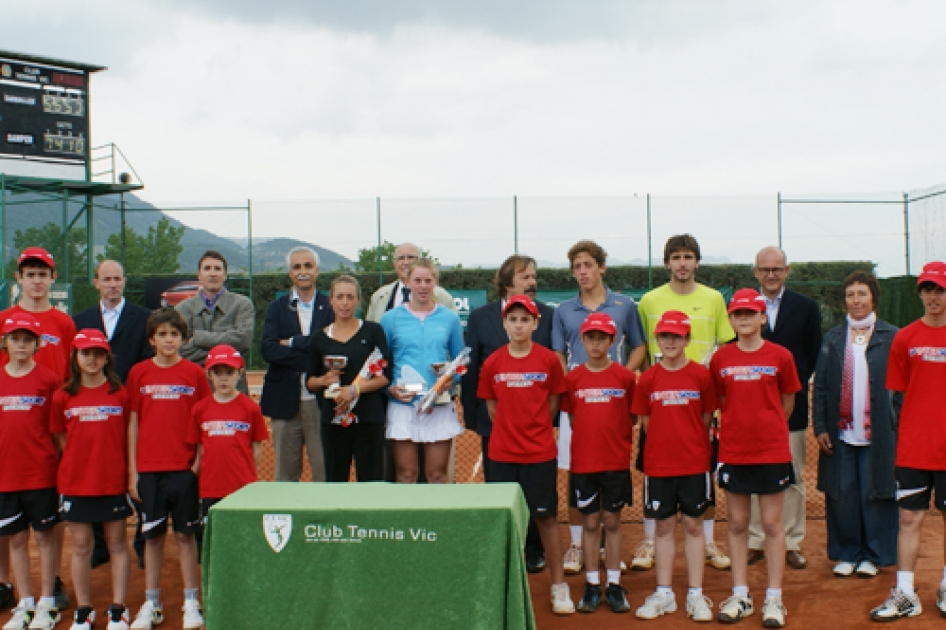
<point>205,505</point>
<point>688,494</point>
<point>38,509</point>
<point>915,488</point>
<point>539,484</point>
<point>609,491</point>
<point>755,478</point>
<point>74,509</point>
<point>714,447</point>
<point>166,494</point>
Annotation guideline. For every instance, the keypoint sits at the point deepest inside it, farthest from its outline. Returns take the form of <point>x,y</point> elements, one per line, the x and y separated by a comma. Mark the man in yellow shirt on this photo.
<point>709,328</point>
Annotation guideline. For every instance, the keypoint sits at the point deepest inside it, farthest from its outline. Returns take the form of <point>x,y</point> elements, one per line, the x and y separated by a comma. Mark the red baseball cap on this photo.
<point>37,253</point>
<point>90,338</point>
<point>747,300</point>
<point>224,355</point>
<point>934,272</point>
<point>601,322</point>
<point>673,322</point>
<point>521,300</point>
<point>20,321</point>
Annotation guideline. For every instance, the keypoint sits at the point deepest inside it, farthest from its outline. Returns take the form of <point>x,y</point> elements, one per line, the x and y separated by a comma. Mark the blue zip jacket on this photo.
<point>439,337</point>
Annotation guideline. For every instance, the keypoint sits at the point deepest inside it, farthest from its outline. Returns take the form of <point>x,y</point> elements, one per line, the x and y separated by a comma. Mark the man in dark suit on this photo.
<point>294,411</point>
<point>484,335</point>
<point>794,322</point>
<point>125,326</point>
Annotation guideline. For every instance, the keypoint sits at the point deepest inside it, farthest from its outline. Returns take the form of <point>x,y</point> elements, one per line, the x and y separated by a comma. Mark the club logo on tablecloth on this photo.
<point>278,528</point>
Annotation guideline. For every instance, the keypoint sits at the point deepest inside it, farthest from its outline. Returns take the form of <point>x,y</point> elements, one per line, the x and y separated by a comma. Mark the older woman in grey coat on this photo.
<point>855,421</point>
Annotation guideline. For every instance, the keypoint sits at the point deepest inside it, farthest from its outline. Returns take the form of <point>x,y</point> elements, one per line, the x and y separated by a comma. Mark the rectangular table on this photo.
<point>371,555</point>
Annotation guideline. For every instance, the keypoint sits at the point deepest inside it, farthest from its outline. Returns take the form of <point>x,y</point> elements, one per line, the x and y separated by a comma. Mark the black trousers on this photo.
<point>533,539</point>
<point>362,442</point>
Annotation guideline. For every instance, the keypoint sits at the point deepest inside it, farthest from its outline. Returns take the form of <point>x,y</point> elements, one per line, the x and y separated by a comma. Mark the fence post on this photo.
<point>650,258</point>
<point>779,219</point>
<point>515,224</point>
<point>906,229</point>
<point>380,266</point>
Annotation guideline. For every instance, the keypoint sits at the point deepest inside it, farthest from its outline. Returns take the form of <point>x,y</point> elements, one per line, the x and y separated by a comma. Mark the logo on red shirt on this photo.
<point>93,414</point>
<point>167,392</point>
<point>224,427</point>
<point>21,403</point>
<point>748,372</point>
<point>600,394</point>
<point>521,379</point>
<point>929,353</point>
<point>675,397</point>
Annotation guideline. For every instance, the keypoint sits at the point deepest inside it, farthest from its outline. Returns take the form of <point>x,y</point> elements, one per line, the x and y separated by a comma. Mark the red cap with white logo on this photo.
<point>90,338</point>
<point>224,355</point>
<point>37,253</point>
<point>600,322</point>
<point>934,272</point>
<point>20,321</point>
<point>673,322</point>
<point>747,300</point>
<point>521,300</point>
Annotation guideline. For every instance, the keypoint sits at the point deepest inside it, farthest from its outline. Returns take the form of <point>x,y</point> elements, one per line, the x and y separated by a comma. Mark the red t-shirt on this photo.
<point>599,404</point>
<point>753,428</point>
<point>917,367</point>
<point>163,398</point>
<point>227,432</point>
<point>28,456</point>
<point>95,422</point>
<point>675,400</point>
<point>522,429</point>
<point>57,330</point>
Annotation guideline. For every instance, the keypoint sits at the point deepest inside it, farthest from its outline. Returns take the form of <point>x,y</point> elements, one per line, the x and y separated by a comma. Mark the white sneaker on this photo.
<point>735,608</point>
<point>899,604</point>
<point>941,600</point>
<point>867,569</point>
<point>83,620</point>
<point>716,558</point>
<point>562,603</point>
<point>148,616</point>
<point>118,618</point>
<point>572,560</point>
<point>21,618</point>
<point>773,613</point>
<point>844,569</point>
<point>643,556</point>
<point>657,604</point>
<point>45,618</point>
<point>699,607</point>
<point>193,620</point>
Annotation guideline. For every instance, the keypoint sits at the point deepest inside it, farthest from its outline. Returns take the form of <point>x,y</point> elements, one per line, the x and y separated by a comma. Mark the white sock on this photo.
<point>49,602</point>
<point>614,576</point>
<point>740,591</point>
<point>650,529</point>
<point>905,582</point>
<point>775,593</point>
<point>664,590</point>
<point>576,534</point>
<point>28,603</point>
<point>593,577</point>
<point>708,530</point>
<point>695,592</point>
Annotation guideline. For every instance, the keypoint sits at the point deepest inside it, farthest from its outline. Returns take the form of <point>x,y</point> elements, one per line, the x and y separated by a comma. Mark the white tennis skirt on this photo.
<point>405,423</point>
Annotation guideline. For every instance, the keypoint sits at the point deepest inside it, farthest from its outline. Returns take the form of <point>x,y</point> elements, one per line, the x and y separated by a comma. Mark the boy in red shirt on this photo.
<point>917,367</point>
<point>521,384</point>
<point>162,465</point>
<point>228,429</point>
<point>598,399</point>
<point>675,401</point>
<point>28,463</point>
<point>756,382</point>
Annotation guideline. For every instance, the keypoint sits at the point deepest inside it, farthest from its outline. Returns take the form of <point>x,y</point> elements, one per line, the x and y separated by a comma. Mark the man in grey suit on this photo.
<point>216,315</point>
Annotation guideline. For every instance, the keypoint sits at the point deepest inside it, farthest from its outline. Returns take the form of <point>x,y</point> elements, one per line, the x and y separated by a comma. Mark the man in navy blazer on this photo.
<point>794,322</point>
<point>124,324</point>
<point>294,411</point>
<point>484,335</point>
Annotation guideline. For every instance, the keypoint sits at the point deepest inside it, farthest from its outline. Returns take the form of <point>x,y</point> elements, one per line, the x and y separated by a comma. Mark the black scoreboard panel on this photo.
<point>44,111</point>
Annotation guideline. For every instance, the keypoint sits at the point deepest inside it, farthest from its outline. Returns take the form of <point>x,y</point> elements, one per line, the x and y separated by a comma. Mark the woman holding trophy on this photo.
<point>349,364</point>
<point>426,341</point>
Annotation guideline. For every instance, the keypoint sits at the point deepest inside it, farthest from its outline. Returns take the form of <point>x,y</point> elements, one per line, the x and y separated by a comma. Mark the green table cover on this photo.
<point>368,555</point>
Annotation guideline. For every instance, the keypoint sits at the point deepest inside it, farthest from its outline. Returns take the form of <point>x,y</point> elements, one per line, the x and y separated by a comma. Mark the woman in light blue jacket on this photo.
<point>420,333</point>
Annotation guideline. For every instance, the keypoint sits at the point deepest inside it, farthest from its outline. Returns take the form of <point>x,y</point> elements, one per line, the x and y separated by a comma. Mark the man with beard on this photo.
<point>484,335</point>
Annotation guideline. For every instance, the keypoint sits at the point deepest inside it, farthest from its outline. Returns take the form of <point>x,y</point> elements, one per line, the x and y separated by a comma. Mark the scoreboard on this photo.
<point>44,113</point>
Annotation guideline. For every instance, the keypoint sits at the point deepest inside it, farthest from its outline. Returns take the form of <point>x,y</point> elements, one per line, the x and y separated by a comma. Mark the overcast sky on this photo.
<point>227,100</point>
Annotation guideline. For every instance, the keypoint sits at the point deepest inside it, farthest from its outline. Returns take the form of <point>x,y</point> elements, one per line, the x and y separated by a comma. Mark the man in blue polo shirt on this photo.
<point>587,261</point>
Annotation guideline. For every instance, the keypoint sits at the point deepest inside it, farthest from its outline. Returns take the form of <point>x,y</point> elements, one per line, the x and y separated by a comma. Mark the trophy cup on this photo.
<point>334,362</point>
<point>439,367</point>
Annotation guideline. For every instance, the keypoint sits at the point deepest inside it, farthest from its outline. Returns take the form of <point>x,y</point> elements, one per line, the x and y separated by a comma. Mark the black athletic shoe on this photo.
<point>535,564</point>
<point>617,599</point>
<point>85,615</point>
<point>62,597</point>
<point>590,600</point>
<point>7,600</point>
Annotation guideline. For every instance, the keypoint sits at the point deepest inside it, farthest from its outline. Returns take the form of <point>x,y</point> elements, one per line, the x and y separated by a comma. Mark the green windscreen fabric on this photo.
<point>372,555</point>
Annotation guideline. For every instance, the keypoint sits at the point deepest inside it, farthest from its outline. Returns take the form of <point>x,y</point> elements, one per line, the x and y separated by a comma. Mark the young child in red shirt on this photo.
<point>522,383</point>
<point>228,430</point>
<point>28,462</point>
<point>598,399</point>
<point>756,382</point>
<point>162,466</point>
<point>89,419</point>
<point>675,400</point>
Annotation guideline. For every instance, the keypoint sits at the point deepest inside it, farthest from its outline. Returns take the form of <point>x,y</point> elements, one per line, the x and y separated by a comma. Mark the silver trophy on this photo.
<point>334,362</point>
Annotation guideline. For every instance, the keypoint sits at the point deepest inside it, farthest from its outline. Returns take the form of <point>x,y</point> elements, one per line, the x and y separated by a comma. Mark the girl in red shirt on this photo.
<point>90,420</point>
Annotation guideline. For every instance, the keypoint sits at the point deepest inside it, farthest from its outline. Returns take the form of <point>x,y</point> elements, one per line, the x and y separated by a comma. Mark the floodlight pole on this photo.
<point>650,257</point>
<point>515,225</point>
<point>780,220</point>
<point>380,262</point>
<point>906,230</point>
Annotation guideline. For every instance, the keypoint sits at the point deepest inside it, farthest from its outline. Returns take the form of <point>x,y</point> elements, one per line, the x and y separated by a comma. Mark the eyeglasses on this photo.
<point>773,271</point>
<point>405,257</point>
